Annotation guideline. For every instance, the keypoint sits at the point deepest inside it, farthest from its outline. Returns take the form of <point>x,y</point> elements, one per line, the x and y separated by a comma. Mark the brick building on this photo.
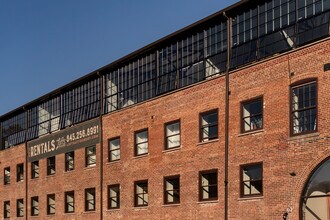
<point>193,126</point>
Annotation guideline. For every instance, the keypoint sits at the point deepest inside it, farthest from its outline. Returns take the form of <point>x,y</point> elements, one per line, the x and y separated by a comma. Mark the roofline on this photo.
<point>123,59</point>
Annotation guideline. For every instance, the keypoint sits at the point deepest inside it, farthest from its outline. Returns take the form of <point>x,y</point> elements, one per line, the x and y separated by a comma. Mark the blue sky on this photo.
<point>47,44</point>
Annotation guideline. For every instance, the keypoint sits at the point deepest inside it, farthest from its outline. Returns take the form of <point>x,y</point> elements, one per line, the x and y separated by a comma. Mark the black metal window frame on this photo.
<point>209,187</point>
<point>304,112</point>
<point>35,206</point>
<point>20,172</point>
<point>35,169</point>
<point>114,149</point>
<point>90,199</point>
<point>258,181</point>
<point>69,161</point>
<point>141,198</point>
<point>252,121</point>
<point>6,209</point>
<point>20,207</point>
<point>51,165</point>
<point>69,202</point>
<point>172,194</point>
<point>205,128</point>
<point>114,196</point>
<point>90,153</point>
<point>138,143</point>
<point>51,204</point>
<point>6,176</point>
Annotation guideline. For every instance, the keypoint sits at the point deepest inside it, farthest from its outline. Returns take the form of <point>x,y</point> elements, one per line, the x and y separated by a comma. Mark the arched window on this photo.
<point>316,197</point>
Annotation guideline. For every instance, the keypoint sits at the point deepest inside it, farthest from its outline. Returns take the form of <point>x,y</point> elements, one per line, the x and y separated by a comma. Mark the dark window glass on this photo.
<point>69,161</point>
<point>20,172</point>
<point>114,149</point>
<point>69,202</point>
<point>35,206</point>
<point>252,118</point>
<point>208,182</point>
<point>6,176</point>
<point>35,169</point>
<point>172,190</point>
<point>51,204</point>
<point>141,142</point>
<point>90,156</point>
<point>114,196</point>
<point>304,108</point>
<point>209,126</point>
<point>251,180</point>
<point>6,209</point>
<point>51,165</point>
<point>90,199</point>
<point>141,193</point>
<point>172,133</point>
<point>19,207</point>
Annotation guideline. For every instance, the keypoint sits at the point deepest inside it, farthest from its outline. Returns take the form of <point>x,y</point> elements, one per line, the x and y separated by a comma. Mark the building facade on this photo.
<point>224,119</point>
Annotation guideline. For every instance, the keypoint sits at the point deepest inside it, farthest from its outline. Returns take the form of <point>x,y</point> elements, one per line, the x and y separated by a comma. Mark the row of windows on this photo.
<point>260,30</point>
<point>251,185</point>
<point>303,120</point>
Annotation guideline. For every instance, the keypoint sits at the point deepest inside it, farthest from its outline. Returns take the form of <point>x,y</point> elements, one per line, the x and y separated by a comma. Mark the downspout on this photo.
<point>229,35</point>
<point>26,165</point>
<point>101,143</point>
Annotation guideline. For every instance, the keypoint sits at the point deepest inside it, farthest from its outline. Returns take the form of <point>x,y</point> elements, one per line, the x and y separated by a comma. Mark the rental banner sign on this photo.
<point>78,136</point>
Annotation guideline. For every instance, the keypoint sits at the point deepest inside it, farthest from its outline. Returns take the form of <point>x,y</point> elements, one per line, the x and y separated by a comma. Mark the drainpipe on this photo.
<point>101,143</point>
<point>229,35</point>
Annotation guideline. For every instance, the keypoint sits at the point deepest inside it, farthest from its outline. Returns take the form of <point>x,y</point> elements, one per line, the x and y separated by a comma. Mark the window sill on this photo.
<point>113,210</point>
<point>301,136</point>
<point>251,132</point>
<point>251,198</point>
<point>68,172</point>
<point>50,176</point>
<point>171,149</point>
<point>90,167</point>
<point>208,142</point>
<point>112,162</point>
<point>171,205</point>
<point>141,156</point>
<point>208,201</point>
<point>89,212</point>
<point>21,181</point>
<point>140,208</point>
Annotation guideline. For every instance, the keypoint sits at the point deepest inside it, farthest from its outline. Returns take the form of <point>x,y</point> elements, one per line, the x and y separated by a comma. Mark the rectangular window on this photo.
<point>35,169</point>
<point>141,193</point>
<point>251,115</point>
<point>208,185</point>
<point>19,207</point>
<point>6,209</point>
<point>172,190</point>
<point>69,202</point>
<point>69,161</point>
<point>114,196</point>
<point>251,180</point>
<point>90,199</point>
<point>303,108</point>
<point>141,142</point>
<point>90,156</point>
<point>7,176</point>
<point>20,172</point>
<point>209,125</point>
<point>51,204</point>
<point>114,149</point>
<point>35,206</point>
<point>172,135</point>
<point>51,165</point>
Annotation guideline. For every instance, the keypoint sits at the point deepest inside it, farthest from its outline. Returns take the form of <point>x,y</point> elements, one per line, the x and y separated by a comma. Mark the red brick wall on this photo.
<point>280,153</point>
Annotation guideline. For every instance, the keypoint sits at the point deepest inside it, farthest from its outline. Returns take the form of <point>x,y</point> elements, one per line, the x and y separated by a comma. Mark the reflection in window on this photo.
<point>172,132</point>
<point>208,181</point>
<point>251,180</point>
<point>114,149</point>
<point>316,199</point>
<point>172,190</point>
<point>303,108</point>
<point>141,193</point>
<point>209,126</point>
<point>141,142</point>
<point>252,115</point>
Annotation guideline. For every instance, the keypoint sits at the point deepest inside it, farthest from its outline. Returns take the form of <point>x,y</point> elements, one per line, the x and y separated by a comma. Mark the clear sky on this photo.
<point>45,44</point>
